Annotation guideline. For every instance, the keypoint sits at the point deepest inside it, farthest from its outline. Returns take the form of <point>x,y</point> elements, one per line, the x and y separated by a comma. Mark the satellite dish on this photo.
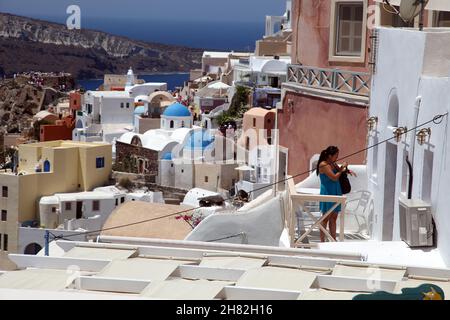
<point>409,9</point>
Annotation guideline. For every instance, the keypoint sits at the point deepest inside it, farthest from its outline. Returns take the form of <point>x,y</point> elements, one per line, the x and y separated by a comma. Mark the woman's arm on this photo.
<point>326,169</point>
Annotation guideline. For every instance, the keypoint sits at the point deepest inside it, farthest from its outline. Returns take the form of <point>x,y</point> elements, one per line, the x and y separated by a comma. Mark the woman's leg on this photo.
<point>324,224</point>
<point>333,218</point>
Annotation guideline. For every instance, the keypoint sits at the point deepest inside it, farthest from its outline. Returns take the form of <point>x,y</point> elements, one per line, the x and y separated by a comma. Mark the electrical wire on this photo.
<point>436,120</point>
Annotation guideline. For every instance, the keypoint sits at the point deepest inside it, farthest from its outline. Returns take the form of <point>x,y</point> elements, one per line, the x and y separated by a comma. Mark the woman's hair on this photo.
<point>330,151</point>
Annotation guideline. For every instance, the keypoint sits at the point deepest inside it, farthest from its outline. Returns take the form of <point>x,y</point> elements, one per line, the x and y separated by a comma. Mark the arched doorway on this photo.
<point>32,248</point>
<point>390,171</point>
<point>46,166</point>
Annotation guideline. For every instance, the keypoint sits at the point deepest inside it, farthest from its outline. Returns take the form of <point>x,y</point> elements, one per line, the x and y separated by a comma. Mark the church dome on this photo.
<point>177,110</point>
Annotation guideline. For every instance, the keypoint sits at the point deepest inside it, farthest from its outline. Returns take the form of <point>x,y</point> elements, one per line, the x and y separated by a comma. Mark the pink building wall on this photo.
<point>311,36</point>
<point>314,124</point>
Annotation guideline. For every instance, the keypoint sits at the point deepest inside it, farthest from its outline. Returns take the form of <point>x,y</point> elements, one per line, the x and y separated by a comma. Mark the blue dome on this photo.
<point>167,156</point>
<point>139,110</point>
<point>177,110</point>
<point>199,139</point>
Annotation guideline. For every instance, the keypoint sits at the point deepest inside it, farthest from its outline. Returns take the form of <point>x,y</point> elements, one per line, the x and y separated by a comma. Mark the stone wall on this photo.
<point>136,159</point>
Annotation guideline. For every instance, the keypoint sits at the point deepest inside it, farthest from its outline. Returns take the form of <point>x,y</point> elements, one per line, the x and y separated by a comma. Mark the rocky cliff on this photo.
<point>29,44</point>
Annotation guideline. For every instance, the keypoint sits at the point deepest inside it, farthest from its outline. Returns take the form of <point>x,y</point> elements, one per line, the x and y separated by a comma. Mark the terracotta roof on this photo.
<point>135,211</point>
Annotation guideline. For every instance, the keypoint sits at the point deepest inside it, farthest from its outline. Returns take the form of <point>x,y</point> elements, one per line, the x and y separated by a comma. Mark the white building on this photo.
<point>410,87</point>
<point>106,115</point>
<point>262,71</point>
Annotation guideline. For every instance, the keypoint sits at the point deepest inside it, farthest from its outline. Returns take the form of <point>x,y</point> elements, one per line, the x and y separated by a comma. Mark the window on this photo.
<point>171,124</point>
<point>182,124</point>
<point>121,105</point>
<point>206,178</point>
<point>5,242</point>
<point>117,202</point>
<point>254,122</point>
<point>259,153</point>
<point>128,105</point>
<point>5,192</point>
<point>442,19</point>
<point>68,206</point>
<point>53,209</point>
<point>122,200</point>
<point>349,29</point>
<point>95,205</point>
<point>4,215</point>
<point>100,162</point>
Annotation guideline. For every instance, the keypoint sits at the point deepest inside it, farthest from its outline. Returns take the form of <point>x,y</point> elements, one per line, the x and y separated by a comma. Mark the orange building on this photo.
<point>61,130</point>
<point>257,127</point>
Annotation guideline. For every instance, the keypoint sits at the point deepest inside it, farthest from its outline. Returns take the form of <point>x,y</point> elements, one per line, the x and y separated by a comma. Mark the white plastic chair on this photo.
<point>357,205</point>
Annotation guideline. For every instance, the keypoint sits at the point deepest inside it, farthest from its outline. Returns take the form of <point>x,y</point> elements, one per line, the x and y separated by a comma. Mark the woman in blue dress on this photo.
<point>329,173</point>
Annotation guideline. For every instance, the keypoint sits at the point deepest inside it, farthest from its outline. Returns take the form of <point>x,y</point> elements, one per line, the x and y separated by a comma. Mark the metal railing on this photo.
<point>335,80</point>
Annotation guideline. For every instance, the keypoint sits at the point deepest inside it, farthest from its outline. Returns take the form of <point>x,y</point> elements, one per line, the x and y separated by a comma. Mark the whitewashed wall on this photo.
<point>406,67</point>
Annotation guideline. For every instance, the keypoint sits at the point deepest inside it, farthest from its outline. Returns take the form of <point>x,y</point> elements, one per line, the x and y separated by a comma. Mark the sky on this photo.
<point>168,10</point>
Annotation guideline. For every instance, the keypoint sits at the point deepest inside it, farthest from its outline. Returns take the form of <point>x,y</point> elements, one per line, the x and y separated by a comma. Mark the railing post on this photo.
<point>342,223</point>
<point>47,242</point>
<point>334,80</point>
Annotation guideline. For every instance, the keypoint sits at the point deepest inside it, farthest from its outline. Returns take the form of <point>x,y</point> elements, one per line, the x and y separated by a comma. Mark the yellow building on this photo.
<point>44,169</point>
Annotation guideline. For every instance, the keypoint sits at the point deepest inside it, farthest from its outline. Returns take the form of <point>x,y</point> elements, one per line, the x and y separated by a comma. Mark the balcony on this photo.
<point>333,80</point>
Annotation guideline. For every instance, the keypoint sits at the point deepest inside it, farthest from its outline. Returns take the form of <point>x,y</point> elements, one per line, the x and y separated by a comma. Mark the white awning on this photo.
<point>241,263</point>
<point>369,272</point>
<point>141,269</point>
<point>324,294</point>
<point>36,279</point>
<point>277,278</point>
<point>99,253</point>
<point>181,289</point>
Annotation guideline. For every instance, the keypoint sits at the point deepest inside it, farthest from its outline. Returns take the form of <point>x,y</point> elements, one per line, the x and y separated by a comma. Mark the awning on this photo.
<point>324,294</point>
<point>181,289</point>
<point>36,279</point>
<point>369,272</point>
<point>241,263</point>
<point>141,269</point>
<point>99,253</point>
<point>277,278</point>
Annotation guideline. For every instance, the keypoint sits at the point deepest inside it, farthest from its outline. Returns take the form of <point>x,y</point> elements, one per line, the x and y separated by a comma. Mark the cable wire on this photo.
<point>436,120</point>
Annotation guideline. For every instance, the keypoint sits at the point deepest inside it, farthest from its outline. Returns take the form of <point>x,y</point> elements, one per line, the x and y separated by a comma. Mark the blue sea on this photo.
<point>173,80</point>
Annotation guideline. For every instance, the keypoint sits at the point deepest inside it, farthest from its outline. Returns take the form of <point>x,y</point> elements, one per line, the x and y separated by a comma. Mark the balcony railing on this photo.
<point>335,80</point>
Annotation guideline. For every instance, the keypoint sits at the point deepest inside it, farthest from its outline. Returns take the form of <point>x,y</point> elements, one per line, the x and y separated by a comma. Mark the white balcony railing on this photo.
<point>335,80</point>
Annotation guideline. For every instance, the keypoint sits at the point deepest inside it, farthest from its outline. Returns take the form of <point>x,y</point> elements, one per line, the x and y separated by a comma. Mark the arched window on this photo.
<point>171,124</point>
<point>46,166</point>
<point>182,124</point>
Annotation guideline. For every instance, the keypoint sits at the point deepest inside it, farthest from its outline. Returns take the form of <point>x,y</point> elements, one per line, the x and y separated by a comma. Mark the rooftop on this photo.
<point>169,269</point>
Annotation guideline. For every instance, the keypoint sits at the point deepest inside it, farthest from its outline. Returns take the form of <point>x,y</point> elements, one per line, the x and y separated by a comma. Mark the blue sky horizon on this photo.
<point>207,24</point>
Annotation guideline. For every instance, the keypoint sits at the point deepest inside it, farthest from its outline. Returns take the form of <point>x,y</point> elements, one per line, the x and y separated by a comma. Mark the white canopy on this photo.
<point>219,86</point>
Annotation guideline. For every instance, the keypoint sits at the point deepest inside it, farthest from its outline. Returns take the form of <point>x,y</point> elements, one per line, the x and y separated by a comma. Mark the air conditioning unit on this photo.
<point>416,227</point>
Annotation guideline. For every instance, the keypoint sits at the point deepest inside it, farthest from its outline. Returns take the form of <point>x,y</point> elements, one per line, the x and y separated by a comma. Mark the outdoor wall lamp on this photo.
<point>372,123</point>
<point>398,132</point>
<point>422,135</point>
